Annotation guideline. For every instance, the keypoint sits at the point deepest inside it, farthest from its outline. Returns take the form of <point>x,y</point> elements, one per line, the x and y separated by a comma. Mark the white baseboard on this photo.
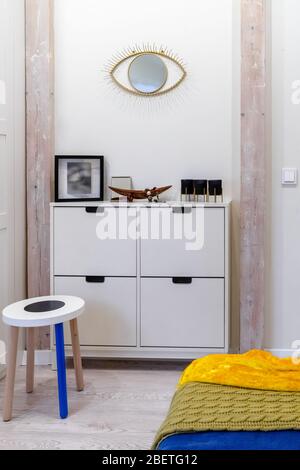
<point>282,353</point>
<point>41,358</point>
<point>44,358</point>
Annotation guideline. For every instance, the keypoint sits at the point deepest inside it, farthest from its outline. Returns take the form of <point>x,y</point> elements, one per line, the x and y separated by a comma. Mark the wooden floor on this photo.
<point>121,408</point>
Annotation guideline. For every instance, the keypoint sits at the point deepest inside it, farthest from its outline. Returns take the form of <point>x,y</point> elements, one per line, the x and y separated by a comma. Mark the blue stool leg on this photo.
<point>61,371</point>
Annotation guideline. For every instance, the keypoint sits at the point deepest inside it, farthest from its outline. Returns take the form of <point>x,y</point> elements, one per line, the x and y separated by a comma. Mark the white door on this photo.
<point>170,257</point>
<point>5,245</point>
<point>79,252</point>
<point>12,153</point>
<point>110,314</point>
<point>176,315</point>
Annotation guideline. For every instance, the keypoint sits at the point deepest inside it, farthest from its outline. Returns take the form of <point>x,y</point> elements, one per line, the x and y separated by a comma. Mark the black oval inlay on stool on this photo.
<point>45,306</point>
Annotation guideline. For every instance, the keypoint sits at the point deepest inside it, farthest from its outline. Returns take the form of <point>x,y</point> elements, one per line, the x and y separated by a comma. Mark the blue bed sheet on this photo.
<point>278,440</point>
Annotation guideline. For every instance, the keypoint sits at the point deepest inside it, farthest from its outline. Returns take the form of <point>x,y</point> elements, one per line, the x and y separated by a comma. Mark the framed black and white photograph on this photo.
<point>79,178</point>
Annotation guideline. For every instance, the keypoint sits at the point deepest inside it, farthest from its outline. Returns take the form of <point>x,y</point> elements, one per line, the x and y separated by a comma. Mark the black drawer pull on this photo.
<point>182,280</point>
<point>95,279</point>
<point>94,210</point>
<point>182,210</point>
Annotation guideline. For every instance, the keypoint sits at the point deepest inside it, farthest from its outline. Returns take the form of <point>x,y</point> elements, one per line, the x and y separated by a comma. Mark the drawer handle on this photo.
<point>182,210</point>
<point>95,279</point>
<point>94,210</point>
<point>182,280</point>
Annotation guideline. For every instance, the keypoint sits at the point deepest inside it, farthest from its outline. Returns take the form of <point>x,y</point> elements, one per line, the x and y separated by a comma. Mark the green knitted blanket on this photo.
<point>200,407</point>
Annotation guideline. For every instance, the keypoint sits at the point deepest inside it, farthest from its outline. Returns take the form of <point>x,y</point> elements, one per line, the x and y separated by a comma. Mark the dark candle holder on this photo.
<point>215,189</point>
<point>200,189</point>
<point>187,189</point>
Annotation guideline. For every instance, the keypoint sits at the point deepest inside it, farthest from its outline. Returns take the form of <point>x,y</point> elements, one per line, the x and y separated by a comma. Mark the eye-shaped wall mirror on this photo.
<point>148,73</point>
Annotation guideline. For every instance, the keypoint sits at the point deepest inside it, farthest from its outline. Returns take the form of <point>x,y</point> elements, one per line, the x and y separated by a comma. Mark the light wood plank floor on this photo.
<point>121,408</point>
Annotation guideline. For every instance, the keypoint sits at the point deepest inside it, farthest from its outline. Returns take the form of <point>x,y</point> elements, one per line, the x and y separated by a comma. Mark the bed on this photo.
<point>273,440</point>
<point>234,402</point>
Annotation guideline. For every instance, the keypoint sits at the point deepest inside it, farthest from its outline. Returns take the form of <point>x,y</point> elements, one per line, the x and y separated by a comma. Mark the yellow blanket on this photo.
<point>257,370</point>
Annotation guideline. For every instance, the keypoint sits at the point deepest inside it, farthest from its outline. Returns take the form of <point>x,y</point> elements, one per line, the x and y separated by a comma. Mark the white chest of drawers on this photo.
<point>148,295</point>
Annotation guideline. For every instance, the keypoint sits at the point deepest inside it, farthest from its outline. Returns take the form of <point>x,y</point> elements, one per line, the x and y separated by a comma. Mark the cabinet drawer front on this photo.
<point>182,315</point>
<point>110,315</point>
<point>174,257</point>
<point>79,252</point>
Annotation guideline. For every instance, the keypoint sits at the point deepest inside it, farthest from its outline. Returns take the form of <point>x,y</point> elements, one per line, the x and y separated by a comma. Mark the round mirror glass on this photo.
<point>148,73</point>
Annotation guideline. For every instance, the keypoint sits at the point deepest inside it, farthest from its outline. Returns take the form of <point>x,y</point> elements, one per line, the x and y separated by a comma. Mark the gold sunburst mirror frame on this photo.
<point>151,50</point>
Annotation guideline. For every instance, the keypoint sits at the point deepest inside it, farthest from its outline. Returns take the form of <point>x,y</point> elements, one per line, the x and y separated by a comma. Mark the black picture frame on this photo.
<point>59,158</point>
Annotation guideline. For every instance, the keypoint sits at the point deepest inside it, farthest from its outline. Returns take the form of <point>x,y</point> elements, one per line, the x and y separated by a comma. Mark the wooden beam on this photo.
<point>40,145</point>
<point>253,174</point>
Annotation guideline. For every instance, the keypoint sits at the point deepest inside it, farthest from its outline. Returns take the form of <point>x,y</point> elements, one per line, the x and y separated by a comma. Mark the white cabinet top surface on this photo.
<point>141,204</point>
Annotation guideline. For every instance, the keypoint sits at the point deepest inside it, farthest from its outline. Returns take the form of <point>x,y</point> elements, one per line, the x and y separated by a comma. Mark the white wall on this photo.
<point>283,316</point>
<point>191,133</point>
<point>185,134</point>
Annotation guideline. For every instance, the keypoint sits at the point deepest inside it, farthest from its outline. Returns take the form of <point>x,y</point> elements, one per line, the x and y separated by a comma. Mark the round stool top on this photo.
<point>43,311</point>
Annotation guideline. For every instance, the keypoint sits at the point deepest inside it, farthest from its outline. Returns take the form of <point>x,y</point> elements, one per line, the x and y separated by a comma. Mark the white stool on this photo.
<point>35,313</point>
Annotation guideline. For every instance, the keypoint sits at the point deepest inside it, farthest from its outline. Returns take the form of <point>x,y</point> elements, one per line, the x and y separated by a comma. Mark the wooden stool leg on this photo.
<point>61,370</point>
<point>30,360</point>
<point>11,373</point>
<point>77,355</point>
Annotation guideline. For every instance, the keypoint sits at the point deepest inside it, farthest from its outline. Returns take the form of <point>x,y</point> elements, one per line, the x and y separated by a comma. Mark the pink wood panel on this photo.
<point>253,174</point>
<point>40,145</point>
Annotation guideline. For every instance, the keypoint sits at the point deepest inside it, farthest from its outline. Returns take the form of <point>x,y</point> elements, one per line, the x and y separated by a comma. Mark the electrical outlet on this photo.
<point>289,176</point>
